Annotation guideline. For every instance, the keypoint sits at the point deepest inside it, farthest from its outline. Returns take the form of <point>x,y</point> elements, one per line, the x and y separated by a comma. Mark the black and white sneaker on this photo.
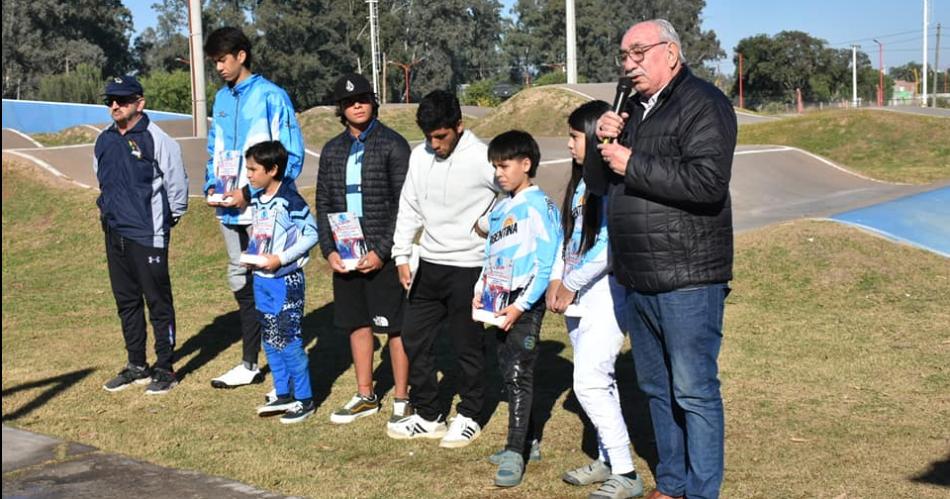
<point>415,426</point>
<point>298,412</point>
<point>130,374</point>
<point>276,406</point>
<point>163,380</point>
<point>461,433</point>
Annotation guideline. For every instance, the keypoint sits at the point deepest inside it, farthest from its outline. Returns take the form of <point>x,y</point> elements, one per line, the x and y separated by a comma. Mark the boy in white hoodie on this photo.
<point>450,184</point>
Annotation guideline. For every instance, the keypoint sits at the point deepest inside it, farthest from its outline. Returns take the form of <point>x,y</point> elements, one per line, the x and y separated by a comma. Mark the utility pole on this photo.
<point>880,85</point>
<point>937,65</point>
<point>199,108</point>
<point>571,44</point>
<point>854,76</point>
<point>374,42</point>
<point>406,67</point>
<point>923,101</point>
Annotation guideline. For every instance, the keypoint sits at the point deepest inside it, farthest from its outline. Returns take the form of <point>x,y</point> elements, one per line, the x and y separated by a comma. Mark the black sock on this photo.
<point>631,475</point>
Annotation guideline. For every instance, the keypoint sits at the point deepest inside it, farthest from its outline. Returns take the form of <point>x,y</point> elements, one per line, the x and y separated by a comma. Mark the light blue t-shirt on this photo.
<point>354,172</point>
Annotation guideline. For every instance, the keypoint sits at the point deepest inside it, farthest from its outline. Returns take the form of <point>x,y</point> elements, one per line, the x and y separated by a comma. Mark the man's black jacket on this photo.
<point>670,216</point>
<point>385,161</point>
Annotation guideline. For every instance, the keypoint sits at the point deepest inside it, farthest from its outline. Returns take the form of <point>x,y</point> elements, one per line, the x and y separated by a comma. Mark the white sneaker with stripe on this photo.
<point>461,433</point>
<point>415,426</point>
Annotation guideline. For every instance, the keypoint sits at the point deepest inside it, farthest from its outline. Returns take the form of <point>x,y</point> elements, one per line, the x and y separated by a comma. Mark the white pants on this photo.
<point>597,339</point>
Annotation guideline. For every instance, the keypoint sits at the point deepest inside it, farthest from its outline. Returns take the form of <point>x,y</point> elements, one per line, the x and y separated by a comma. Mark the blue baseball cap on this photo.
<point>124,85</point>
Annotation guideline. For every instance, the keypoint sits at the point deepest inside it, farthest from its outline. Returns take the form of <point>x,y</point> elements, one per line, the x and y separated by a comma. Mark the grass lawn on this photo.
<point>68,137</point>
<point>540,111</point>
<point>320,124</point>
<point>896,147</point>
<point>835,370</point>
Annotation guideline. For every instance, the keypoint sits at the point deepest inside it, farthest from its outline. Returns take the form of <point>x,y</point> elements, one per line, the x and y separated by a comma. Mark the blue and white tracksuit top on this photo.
<point>253,111</point>
<point>142,182</point>
<point>583,272</point>
<point>524,229</point>
<point>295,233</point>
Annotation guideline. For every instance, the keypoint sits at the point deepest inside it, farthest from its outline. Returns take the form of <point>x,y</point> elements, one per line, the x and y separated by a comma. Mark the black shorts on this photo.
<point>374,300</point>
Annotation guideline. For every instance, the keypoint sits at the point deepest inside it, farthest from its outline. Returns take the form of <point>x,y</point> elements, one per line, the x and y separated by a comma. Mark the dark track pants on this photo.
<point>443,294</point>
<point>136,271</point>
<point>517,356</point>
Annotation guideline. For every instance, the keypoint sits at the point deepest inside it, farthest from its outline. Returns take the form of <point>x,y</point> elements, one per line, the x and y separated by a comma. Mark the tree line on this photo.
<point>64,50</point>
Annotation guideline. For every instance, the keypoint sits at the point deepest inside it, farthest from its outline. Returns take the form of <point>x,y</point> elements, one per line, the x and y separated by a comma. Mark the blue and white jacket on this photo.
<point>253,111</point>
<point>583,272</point>
<point>524,229</point>
<point>295,228</point>
<point>142,181</point>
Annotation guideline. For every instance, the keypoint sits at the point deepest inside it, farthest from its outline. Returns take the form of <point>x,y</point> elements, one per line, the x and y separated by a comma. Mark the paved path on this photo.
<point>37,466</point>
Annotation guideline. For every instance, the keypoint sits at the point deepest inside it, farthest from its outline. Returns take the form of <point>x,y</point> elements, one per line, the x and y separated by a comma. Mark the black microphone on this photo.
<point>624,86</point>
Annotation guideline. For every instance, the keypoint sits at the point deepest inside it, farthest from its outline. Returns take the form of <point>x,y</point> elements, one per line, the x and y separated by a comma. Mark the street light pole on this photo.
<point>880,87</point>
<point>854,76</point>
<point>741,94</point>
<point>923,101</point>
<point>199,108</point>
<point>571,43</point>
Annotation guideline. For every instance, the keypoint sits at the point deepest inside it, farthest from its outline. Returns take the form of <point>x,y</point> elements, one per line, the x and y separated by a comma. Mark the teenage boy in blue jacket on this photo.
<point>248,109</point>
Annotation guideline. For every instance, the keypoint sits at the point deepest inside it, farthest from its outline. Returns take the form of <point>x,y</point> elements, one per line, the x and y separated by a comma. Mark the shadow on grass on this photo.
<point>213,339</point>
<point>330,357</point>
<point>57,385</point>
<point>636,413</point>
<point>938,474</point>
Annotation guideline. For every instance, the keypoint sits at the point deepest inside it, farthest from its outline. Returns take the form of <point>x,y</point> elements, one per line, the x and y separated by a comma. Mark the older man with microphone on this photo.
<point>669,154</point>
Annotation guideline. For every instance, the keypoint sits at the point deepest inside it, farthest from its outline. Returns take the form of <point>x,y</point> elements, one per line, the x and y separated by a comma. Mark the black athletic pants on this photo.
<point>517,356</point>
<point>136,271</point>
<point>442,294</point>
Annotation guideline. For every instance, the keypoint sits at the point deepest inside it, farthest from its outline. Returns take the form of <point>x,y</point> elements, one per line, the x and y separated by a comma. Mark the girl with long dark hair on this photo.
<point>583,290</point>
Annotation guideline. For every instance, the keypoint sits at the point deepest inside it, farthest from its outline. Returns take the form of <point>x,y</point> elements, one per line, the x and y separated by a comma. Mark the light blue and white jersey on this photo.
<point>294,231</point>
<point>524,230</point>
<point>253,111</point>
<point>579,272</point>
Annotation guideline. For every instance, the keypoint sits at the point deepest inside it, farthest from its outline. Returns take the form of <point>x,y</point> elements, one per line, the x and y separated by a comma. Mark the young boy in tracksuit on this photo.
<point>280,212</point>
<point>524,232</point>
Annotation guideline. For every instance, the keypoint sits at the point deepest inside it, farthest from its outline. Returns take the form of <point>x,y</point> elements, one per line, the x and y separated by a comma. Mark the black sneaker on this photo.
<point>131,373</point>
<point>298,412</point>
<point>276,406</point>
<point>162,381</point>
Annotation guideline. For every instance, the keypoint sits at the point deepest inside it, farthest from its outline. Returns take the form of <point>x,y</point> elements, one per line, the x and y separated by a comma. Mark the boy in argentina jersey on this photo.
<point>524,234</point>
<point>284,231</point>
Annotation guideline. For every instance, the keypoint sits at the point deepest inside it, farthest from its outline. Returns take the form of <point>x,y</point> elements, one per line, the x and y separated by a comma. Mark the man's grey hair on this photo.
<point>668,34</point>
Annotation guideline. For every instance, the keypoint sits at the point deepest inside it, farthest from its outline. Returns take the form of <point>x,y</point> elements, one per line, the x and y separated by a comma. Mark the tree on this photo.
<point>83,85</point>
<point>44,37</point>
<point>164,47</point>
<point>535,42</point>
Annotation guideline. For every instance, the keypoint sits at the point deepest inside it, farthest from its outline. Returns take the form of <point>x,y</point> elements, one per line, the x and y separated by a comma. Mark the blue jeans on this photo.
<point>676,338</point>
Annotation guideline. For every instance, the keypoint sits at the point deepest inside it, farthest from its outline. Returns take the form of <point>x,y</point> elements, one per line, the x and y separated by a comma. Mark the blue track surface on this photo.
<point>42,117</point>
<point>921,220</point>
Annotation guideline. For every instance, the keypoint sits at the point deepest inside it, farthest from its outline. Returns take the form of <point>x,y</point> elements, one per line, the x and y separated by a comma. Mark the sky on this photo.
<point>896,24</point>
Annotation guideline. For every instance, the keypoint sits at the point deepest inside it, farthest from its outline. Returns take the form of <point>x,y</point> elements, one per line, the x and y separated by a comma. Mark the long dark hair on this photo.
<point>584,119</point>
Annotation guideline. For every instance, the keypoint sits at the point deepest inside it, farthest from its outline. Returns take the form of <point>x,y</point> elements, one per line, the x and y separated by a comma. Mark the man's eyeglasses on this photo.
<point>362,99</point>
<point>122,100</point>
<point>636,53</point>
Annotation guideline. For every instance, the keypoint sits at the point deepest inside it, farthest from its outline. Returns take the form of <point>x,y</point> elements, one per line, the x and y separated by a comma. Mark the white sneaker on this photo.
<point>270,396</point>
<point>415,426</point>
<point>461,433</point>
<point>238,376</point>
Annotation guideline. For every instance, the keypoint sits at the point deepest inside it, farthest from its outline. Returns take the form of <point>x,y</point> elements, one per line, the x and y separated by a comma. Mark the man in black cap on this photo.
<point>361,173</point>
<point>143,192</point>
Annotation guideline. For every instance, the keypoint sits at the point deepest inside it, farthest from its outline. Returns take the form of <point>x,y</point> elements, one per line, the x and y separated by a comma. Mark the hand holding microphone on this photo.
<point>609,127</point>
<point>610,124</point>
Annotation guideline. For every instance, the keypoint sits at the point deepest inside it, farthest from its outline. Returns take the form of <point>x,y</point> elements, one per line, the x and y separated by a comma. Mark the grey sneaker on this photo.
<point>163,380</point>
<point>358,407</point>
<point>534,455</point>
<point>510,469</point>
<point>402,408</point>
<point>595,472</point>
<point>618,487</point>
<point>130,374</point>
<point>298,412</point>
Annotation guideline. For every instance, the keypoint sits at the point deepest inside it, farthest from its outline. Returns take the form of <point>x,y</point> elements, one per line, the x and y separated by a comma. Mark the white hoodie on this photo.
<point>444,198</point>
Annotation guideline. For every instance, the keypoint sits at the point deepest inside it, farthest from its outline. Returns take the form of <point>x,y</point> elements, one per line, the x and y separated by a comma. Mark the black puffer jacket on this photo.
<point>670,216</point>
<point>385,161</point>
